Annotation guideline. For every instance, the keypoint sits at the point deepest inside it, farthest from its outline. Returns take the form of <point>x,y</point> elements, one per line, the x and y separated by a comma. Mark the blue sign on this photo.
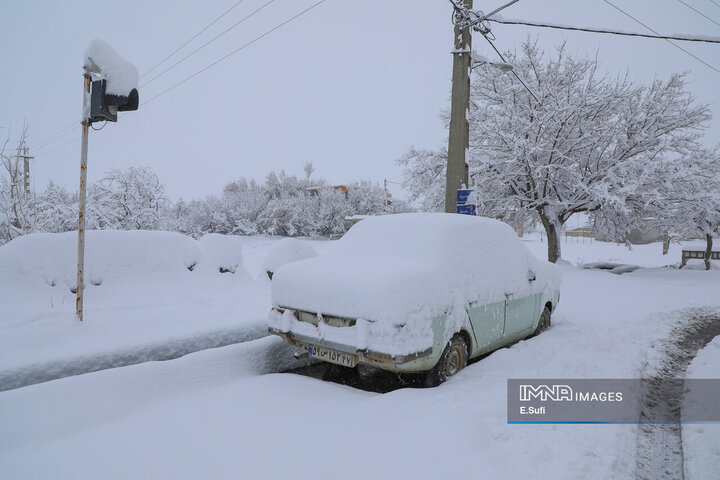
<point>463,194</point>
<point>466,209</point>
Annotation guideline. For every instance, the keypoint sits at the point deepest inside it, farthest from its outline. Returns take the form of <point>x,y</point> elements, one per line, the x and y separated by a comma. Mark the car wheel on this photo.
<point>543,323</point>
<point>453,359</point>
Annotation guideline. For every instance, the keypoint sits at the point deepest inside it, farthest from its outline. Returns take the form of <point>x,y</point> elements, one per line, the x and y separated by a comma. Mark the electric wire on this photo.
<point>236,24</point>
<point>206,67</point>
<point>57,136</point>
<point>656,33</point>
<point>69,128</point>
<point>698,12</point>
<point>594,30</point>
<point>235,51</point>
<point>77,139</point>
<point>191,39</point>
<point>513,71</point>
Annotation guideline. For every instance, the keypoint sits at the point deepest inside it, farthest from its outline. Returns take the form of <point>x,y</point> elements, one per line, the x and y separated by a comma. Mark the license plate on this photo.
<point>333,356</point>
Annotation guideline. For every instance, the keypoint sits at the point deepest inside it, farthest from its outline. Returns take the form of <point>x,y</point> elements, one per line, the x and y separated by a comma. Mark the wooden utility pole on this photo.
<point>81,200</point>
<point>459,135</point>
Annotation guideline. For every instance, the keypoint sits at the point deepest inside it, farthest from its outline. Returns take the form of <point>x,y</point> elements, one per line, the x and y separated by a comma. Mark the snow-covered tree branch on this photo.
<point>593,141</point>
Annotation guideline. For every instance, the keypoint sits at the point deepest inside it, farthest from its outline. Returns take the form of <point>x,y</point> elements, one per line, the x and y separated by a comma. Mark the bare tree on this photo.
<point>16,205</point>
<point>308,169</point>
<point>128,199</point>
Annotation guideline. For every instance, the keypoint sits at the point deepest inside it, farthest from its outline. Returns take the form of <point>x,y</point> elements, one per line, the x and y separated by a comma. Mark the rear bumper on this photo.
<point>413,362</point>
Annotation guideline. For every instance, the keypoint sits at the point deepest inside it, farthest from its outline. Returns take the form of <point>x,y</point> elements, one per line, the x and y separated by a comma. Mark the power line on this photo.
<point>236,51</point>
<point>205,68</point>
<point>594,30</point>
<point>58,147</point>
<point>656,33</point>
<point>57,136</point>
<point>68,129</point>
<point>208,42</point>
<point>715,3</point>
<point>698,12</point>
<point>513,70</point>
<point>191,39</point>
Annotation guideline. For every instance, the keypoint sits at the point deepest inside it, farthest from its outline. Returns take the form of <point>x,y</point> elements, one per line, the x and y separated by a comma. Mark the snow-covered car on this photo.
<point>418,292</point>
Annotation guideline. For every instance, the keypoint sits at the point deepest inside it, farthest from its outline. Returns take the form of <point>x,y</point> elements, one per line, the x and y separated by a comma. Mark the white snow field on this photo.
<point>141,301</point>
<point>225,413</point>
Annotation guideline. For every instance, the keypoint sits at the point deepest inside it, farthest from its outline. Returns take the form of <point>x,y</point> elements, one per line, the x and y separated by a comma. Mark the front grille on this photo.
<point>330,320</point>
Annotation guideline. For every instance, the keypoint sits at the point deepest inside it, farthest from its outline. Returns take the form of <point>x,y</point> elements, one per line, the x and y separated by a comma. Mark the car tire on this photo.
<point>453,359</point>
<point>543,323</point>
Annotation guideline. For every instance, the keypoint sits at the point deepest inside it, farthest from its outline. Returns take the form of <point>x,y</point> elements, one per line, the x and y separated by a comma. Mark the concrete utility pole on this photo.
<point>26,181</point>
<point>385,201</point>
<point>81,200</point>
<point>26,171</point>
<point>459,135</point>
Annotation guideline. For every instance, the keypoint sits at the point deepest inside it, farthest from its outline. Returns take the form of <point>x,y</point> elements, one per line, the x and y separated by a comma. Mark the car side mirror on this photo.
<point>531,276</point>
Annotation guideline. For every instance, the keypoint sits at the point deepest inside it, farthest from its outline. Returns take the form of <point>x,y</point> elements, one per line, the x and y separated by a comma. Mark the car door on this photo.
<point>488,323</point>
<point>520,313</point>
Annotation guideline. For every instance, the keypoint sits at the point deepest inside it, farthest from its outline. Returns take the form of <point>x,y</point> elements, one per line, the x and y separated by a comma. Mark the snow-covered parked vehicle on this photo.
<point>418,292</point>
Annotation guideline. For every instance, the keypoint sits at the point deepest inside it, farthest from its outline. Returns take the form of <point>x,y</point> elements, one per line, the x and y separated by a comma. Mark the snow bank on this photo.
<point>701,442</point>
<point>142,301</point>
<point>52,257</point>
<point>285,251</point>
<point>118,255</point>
<point>398,272</point>
<point>121,75</point>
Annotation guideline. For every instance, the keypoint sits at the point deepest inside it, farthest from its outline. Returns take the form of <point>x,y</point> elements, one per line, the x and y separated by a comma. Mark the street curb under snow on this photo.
<point>44,372</point>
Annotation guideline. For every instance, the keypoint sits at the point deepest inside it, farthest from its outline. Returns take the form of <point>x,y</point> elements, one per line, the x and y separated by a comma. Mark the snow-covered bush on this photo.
<point>283,205</point>
<point>57,210</point>
<point>127,199</point>
<point>134,199</point>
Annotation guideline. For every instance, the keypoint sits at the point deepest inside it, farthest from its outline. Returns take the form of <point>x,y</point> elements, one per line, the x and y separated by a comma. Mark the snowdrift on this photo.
<point>117,256</point>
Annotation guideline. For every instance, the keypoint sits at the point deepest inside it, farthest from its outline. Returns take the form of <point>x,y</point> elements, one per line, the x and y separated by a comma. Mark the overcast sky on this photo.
<point>348,85</point>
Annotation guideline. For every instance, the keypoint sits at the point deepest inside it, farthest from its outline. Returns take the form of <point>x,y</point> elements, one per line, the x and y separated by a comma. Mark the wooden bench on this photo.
<point>699,255</point>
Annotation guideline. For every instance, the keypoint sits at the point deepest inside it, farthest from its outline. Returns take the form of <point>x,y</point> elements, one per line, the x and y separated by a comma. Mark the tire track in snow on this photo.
<point>659,446</point>
<point>44,372</point>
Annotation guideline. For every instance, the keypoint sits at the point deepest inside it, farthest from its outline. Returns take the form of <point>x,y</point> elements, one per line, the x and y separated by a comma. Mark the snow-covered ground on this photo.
<point>701,442</point>
<point>142,301</point>
<point>226,413</point>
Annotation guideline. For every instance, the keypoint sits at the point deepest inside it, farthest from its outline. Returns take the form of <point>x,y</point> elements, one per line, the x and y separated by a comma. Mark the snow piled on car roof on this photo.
<point>116,255</point>
<point>285,251</point>
<point>398,272</point>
